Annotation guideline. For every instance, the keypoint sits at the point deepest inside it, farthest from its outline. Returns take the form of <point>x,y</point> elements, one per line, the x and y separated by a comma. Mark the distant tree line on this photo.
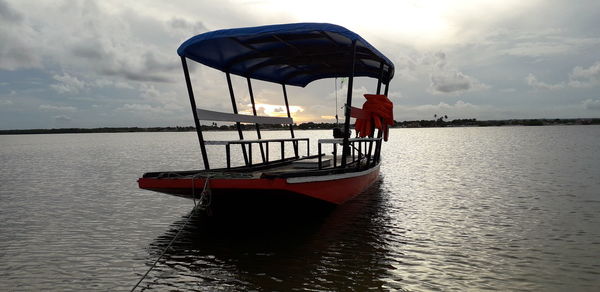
<point>97,130</point>
<point>440,122</point>
<point>436,122</point>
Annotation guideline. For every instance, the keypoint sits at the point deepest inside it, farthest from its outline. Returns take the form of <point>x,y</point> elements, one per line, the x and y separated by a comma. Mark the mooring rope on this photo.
<point>205,191</point>
<point>205,196</point>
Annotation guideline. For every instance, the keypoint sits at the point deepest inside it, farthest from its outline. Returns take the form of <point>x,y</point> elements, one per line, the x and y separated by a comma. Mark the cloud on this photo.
<point>579,77</point>
<point>544,43</point>
<point>6,102</point>
<point>144,70</point>
<point>106,82</point>
<point>539,85</point>
<point>554,30</point>
<point>90,49</point>
<point>342,92</point>
<point>169,101</point>
<point>453,82</point>
<point>8,14</point>
<point>463,110</point>
<point>143,109</point>
<point>445,80</point>
<point>592,104</point>
<point>459,105</point>
<point>458,110</point>
<point>275,110</point>
<point>17,40</point>
<point>537,49</point>
<point>62,119</point>
<point>585,77</point>
<point>406,67</point>
<point>45,107</point>
<point>149,91</point>
<point>93,37</point>
<point>67,84</point>
<point>186,27</point>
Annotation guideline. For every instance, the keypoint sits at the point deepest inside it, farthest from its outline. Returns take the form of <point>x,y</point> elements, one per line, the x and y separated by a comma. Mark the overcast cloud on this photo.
<point>114,63</point>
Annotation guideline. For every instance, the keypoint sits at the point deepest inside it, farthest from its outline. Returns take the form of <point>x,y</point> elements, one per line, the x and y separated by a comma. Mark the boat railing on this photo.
<point>246,145</point>
<point>260,142</point>
<point>361,149</point>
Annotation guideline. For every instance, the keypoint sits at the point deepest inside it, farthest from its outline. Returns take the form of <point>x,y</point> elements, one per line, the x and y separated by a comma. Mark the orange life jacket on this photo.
<point>377,112</point>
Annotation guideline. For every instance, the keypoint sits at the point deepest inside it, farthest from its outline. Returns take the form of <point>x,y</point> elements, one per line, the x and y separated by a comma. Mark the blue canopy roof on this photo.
<point>293,54</point>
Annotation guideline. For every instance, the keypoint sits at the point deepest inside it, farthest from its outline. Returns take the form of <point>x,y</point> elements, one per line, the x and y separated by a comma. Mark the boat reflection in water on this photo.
<point>330,249</point>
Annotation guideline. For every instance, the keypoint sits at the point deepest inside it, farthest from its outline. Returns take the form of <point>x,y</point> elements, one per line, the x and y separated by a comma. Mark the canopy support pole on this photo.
<point>380,78</point>
<point>345,145</point>
<point>262,151</point>
<point>193,104</point>
<point>235,111</point>
<point>379,135</point>
<point>287,107</point>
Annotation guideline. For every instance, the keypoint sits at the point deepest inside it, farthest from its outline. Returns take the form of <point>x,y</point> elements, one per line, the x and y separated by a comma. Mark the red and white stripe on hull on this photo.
<point>334,188</point>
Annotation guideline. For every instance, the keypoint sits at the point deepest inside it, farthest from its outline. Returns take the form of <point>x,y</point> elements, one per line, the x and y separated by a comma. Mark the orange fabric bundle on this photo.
<point>377,112</point>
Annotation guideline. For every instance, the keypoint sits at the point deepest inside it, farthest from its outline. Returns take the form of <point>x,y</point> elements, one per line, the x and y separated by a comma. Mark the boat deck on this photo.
<point>297,167</point>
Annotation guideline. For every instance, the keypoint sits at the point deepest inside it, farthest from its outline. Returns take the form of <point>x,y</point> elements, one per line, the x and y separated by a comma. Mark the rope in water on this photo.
<point>205,191</point>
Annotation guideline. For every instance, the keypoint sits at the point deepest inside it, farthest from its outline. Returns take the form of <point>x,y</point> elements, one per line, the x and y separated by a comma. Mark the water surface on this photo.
<point>499,208</point>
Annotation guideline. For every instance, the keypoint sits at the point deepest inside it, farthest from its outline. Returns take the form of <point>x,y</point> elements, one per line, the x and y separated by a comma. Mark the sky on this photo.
<point>114,63</point>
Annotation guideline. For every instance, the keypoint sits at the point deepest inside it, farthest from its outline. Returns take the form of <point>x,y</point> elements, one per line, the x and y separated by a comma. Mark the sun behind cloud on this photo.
<point>275,110</point>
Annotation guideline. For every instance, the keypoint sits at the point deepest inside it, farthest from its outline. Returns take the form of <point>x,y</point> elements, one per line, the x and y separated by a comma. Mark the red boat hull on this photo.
<point>334,188</point>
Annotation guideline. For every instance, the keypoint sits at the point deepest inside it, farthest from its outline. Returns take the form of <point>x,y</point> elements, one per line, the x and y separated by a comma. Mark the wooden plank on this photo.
<point>206,115</point>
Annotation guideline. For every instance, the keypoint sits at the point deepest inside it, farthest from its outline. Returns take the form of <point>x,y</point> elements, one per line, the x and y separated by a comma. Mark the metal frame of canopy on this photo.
<point>290,42</point>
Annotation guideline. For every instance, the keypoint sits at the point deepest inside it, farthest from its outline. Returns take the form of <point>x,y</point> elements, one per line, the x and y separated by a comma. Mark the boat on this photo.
<point>293,54</point>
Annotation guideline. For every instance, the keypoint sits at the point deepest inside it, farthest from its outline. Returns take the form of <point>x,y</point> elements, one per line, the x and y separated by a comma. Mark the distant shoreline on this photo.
<point>312,126</point>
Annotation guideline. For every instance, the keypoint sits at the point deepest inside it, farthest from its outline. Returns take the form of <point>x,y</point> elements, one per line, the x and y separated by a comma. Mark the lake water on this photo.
<point>499,208</point>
